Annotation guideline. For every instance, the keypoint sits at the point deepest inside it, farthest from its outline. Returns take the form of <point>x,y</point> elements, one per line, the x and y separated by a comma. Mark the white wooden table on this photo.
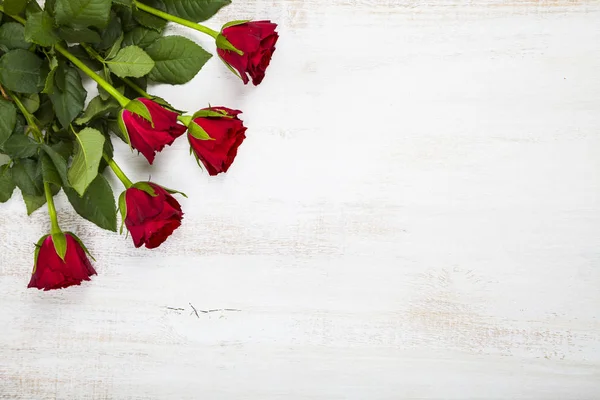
<point>415,214</point>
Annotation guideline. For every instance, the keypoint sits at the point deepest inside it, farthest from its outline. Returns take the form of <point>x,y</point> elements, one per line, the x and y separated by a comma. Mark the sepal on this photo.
<point>234,23</point>
<point>123,128</point>
<point>82,245</point>
<point>60,244</point>
<point>122,210</point>
<point>198,132</point>
<point>137,107</point>
<point>146,187</point>
<point>36,253</point>
<point>224,44</point>
<point>235,72</point>
<point>211,112</point>
<point>173,191</point>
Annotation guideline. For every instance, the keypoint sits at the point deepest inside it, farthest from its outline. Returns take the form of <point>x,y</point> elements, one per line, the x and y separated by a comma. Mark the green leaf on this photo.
<point>63,149</point>
<point>39,29</point>
<point>20,146</point>
<point>141,37</point>
<point>126,15</point>
<point>7,186</point>
<point>60,76</point>
<point>14,6</point>
<point>49,83</point>
<point>97,205</point>
<point>8,119</point>
<point>177,59</point>
<point>111,33</point>
<point>83,35</point>
<point>12,36</point>
<point>195,10</point>
<point>32,8</point>
<point>45,115</point>
<point>149,20</point>
<point>97,108</point>
<point>20,125</point>
<point>28,177</point>
<point>31,102</point>
<point>82,13</point>
<point>32,203</point>
<point>131,61</point>
<point>49,172</point>
<point>88,154</point>
<point>22,71</point>
<point>60,244</point>
<point>126,3</point>
<point>84,57</point>
<point>68,103</point>
<point>59,164</point>
<point>115,48</point>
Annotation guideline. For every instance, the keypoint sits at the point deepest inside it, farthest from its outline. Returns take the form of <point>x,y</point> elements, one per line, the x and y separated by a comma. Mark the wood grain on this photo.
<point>415,214</point>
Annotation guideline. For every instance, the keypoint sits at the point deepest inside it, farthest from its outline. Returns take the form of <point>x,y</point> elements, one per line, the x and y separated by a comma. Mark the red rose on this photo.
<point>147,139</point>
<point>151,219</point>
<point>257,40</point>
<point>51,272</point>
<point>227,133</point>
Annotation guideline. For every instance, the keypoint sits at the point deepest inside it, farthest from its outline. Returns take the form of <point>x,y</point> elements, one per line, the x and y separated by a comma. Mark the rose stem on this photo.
<point>172,18</point>
<point>123,101</point>
<point>118,171</point>
<point>51,209</point>
<point>30,118</point>
<point>15,17</point>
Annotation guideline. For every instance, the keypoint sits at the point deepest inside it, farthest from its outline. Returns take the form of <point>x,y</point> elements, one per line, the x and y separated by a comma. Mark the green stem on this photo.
<point>123,101</point>
<point>118,171</point>
<point>15,17</point>
<point>51,209</point>
<point>30,118</point>
<point>138,89</point>
<point>92,52</point>
<point>180,21</point>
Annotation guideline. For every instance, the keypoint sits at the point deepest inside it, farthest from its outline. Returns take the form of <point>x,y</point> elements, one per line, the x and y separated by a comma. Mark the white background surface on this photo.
<point>415,214</point>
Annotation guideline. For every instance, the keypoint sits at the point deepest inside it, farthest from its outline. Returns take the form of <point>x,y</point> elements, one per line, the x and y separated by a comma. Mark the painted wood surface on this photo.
<point>415,214</point>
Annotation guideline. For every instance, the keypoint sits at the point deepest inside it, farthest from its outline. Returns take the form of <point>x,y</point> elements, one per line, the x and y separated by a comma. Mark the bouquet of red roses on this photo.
<point>53,140</point>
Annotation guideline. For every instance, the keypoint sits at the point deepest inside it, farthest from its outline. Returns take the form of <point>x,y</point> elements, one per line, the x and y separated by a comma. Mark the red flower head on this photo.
<point>151,137</point>
<point>257,40</point>
<point>215,135</point>
<point>150,213</point>
<point>51,271</point>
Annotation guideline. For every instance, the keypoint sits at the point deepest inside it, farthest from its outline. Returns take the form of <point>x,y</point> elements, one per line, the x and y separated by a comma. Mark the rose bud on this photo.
<point>150,127</point>
<point>256,39</point>
<point>60,261</point>
<point>150,213</point>
<point>215,134</point>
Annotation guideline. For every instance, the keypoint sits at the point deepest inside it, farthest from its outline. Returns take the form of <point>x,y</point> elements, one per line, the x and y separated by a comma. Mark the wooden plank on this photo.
<point>415,214</point>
